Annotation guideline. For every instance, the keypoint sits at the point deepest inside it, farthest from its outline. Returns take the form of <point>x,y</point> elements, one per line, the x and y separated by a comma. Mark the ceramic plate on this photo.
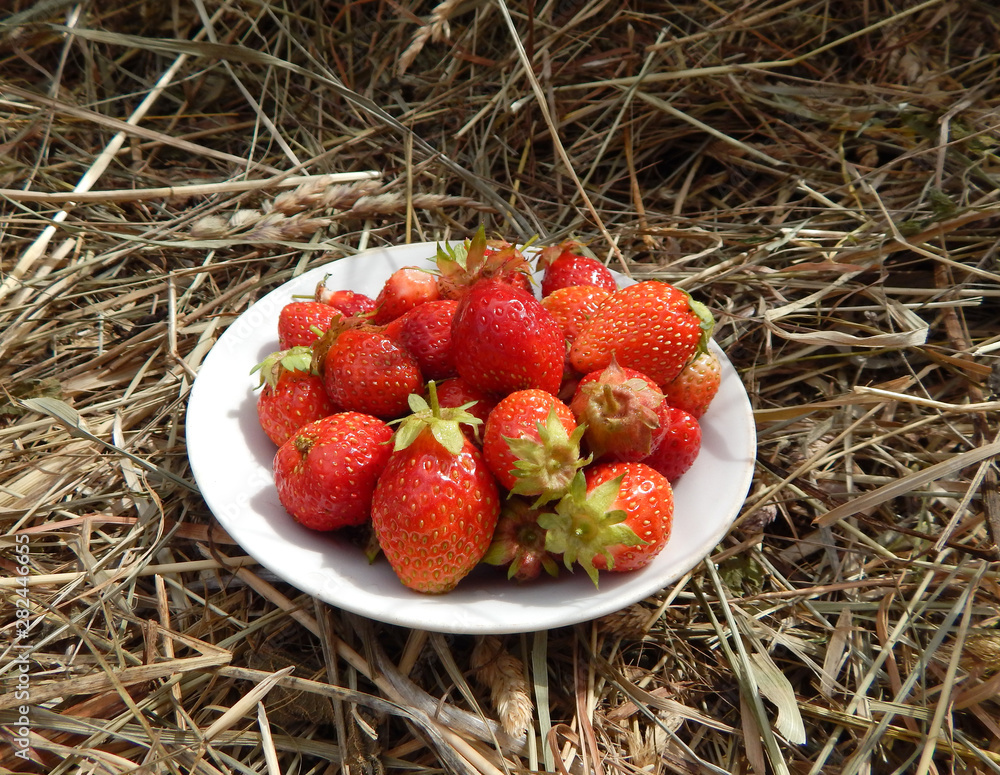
<point>231,461</point>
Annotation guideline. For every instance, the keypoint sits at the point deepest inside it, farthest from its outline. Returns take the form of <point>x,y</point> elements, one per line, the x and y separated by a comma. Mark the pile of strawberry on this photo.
<point>467,421</point>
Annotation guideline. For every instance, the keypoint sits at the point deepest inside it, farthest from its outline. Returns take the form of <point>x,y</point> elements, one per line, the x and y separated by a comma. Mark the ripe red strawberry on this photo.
<point>651,326</point>
<point>436,504</point>
<point>677,444</point>
<point>297,319</point>
<point>697,385</point>
<point>405,289</point>
<point>425,333</point>
<point>519,542</point>
<point>532,444</point>
<point>292,394</point>
<point>326,473</point>
<point>365,371</point>
<point>504,340</point>
<point>348,302</point>
<point>616,516</point>
<point>565,266</point>
<point>573,306</point>
<point>623,411</point>
<point>460,267</point>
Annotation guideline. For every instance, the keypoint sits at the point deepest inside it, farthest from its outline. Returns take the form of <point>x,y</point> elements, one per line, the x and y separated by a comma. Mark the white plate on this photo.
<point>231,461</point>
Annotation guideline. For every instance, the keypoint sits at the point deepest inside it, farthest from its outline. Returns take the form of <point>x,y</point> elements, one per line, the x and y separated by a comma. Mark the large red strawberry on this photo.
<point>651,326</point>
<point>616,516</point>
<point>326,473</point>
<point>504,340</point>
<point>405,289</point>
<point>436,504</point>
<point>623,411</point>
<point>291,395</point>
<point>565,266</point>
<point>425,332</point>
<point>519,542</point>
<point>297,319</point>
<point>532,444</point>
<point>365,371</point>
<point>677,444</point>
<point>697,385</point>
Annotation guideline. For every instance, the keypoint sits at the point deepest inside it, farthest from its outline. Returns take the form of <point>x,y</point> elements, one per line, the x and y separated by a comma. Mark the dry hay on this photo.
<point>823,175</point>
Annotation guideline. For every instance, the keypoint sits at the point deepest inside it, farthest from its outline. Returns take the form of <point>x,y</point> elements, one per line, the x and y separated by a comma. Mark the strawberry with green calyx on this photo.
<point>697,385</point>
<point>564,266</point>
<point>436,504</point>
<point>364,371</point>
<point>531,443</point>
<point>519,543</point>
<point>623,410</point>
<point>292,395</point>
<point>504,340</point>
<point>459,267</point>
<point>616,516</point>
<point>326,473</point>
<point>651,326</point>
<point>676,445</point>
<point>584,525</point>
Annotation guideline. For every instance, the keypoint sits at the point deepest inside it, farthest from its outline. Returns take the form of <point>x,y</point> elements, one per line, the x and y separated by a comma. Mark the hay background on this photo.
<point>822,174</point>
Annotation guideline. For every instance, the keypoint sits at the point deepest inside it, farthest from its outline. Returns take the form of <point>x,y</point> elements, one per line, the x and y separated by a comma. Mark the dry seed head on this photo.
<point>209,227</point>
<point>503,674</point>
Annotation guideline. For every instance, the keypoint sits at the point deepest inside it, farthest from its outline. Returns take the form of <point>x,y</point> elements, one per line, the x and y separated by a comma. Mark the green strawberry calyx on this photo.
<point>299,358</point>
<point>478,258</point>
<point>519,543</point>
<point>584,525</point>
<point>544,467</point>
<point>706,321</point>
<point>444,423</point>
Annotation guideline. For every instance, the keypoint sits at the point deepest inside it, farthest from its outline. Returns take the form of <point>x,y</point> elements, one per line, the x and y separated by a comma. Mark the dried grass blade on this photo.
<point>908,483</point>
<point>69,417</point>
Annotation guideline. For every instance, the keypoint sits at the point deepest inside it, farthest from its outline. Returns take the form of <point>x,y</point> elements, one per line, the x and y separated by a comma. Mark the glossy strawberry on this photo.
<point>405,289</point>
<point>532,444</point>
<point>348,302</point>
<point>697,385</point>
<point>677,444</point>
<point>564,265</point>
<point>623,411</point>
<point>504,340</point>
<point>298,319</point>
<point>573,306</point>
<point>519,542</point>
<point>436,504</point>
<point>425,333</point>
<point>365,371</point>
<point>326,473</point>
<point>651,326</point>
<point>616,516</point>
<point>291,395</point>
